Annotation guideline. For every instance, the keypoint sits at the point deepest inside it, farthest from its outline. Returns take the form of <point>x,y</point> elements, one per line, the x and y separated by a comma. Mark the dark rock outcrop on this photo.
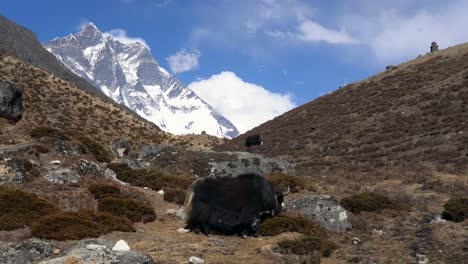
<point>26,252</point>
<point>11,101</point>
<point>12,171</point>
<point>100,251</point>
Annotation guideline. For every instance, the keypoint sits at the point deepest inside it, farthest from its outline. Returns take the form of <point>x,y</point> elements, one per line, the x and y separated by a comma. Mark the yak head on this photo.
<point>279,199</point>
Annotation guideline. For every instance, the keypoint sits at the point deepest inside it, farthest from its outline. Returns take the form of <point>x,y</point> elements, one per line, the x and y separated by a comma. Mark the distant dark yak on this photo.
<point>231,205</point>
<point>255,139</point>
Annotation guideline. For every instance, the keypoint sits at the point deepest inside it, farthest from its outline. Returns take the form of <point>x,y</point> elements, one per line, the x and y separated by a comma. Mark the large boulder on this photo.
<point>26,252</point>
<point>11,101</point>
<point>245,162</point>
<point>122,147</point>
<point>149,152</point>
<point>12,171</point>
<point>63,176</point>
<point>322,209</point>
<point>100,252</point>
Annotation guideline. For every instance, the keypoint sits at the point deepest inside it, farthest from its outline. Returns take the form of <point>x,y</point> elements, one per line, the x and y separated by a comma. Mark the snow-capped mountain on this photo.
<point>130,75</point>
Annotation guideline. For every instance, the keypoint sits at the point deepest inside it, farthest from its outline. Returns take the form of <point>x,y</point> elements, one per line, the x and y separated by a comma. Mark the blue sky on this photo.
<point>288,52</point>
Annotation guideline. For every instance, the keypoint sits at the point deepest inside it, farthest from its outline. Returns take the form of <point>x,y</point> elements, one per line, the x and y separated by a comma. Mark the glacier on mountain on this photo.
<point>130,75</point>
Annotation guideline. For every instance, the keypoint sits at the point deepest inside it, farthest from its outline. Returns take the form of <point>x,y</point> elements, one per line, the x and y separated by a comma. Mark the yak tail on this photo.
<point>188,202</point>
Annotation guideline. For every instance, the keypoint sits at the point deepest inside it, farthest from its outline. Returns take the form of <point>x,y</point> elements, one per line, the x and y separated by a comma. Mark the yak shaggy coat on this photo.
<point>230,205</point>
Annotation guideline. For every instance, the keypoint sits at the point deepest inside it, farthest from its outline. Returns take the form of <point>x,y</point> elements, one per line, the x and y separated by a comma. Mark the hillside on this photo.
<point>413,115</point>
<point>51,101</point>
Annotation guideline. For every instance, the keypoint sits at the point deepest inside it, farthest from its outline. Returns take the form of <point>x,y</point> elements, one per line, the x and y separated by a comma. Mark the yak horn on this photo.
<point>287,191</point>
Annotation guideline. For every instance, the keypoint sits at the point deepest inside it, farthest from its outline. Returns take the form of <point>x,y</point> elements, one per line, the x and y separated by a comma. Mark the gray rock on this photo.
<point>63,176</point>
<point>122,147</point>
<point>324,210</point>
<point>68,147</point>
<point>149,152</point>
<point>88,168</point>
<point>25,252</point>
<point>196,260</point>
<point>12,171</point>
<point>11,101</point>
<point>245,162</point>
<point>99,252</point>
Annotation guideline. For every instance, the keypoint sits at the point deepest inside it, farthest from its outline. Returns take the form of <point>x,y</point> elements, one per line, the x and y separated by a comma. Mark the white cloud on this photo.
<point>245,104</point>
<point>310,31</point>
<point>184,61</point>
<point>393,35</point>
<point>121,35</point>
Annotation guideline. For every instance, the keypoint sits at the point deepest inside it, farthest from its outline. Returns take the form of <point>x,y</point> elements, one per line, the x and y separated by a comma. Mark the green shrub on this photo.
<point>19,208</point>
<point>74,226</point>
<point>153,179</point>
<point>281,181</point>
<point>174,195</point>
<point>101,190</point>
<point>308,245</point>
<point>134,210</point>
<point>43,131</point>
<point>456,209</point>
<point>370,202</point>
<point>287,223</point>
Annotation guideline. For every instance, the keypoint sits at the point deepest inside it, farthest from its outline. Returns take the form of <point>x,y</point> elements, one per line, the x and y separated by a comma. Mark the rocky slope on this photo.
<point>129,75</point>
<point>415,114</point>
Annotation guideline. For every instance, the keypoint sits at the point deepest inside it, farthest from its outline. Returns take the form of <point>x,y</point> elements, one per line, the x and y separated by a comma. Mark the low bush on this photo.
<point>287,223</point>
<point>98,151</point>
<point>153,179</point>
<point>456,209</point>
<point>74,226</point>
<point>43,131</point>
<point>281,181</point>
<point>370,202</point>
<point>134,210</point>
<point>174,195</point>
<point>102,190</point>
<point>19,208</point>
<point>308,245</point>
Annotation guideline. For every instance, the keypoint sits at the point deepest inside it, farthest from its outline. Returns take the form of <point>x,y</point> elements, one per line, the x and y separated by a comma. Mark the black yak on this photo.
<point>231,205</point>
<point>255,139</point>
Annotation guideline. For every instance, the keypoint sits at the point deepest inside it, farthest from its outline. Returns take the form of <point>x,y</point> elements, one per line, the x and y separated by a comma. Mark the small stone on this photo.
<point>377,233</point>
<point>160,192</point>
<point>55,162</point>
<point>183,230</point>
<point>422,259</point>
<point>121,245</point>
<point>56,251</point>
<point>95,247</point>
<point>146,188</point>
<point>196,260</point>
<point>356,240</point>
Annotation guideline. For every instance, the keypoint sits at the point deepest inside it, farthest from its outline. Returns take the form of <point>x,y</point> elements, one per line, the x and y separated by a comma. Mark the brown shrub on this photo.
<point>43,131</point>
<point>101,190</point>
<point>456,209</point>
<point>308,245</point>
<point>98,151</point>
<point>153,179</point>
<point>287,223</point>
<point>74,226</point>
<point>370,202</point>
<point>281,181</point>
<point>131,209</point>
<point>19,209</point>
<point>174,195</point>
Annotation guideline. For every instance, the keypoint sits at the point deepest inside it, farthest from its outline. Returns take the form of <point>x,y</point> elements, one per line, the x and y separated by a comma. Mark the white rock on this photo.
<point>146,188</point>
<point>356,240</point>
<point>160,192</point>
<point>95,247</point>
<point>121,245</point>
<point>183,230</point>
<point>377,233</point>
<point>55,162</point>
<point>422,259</point>
<point>195,260</point>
